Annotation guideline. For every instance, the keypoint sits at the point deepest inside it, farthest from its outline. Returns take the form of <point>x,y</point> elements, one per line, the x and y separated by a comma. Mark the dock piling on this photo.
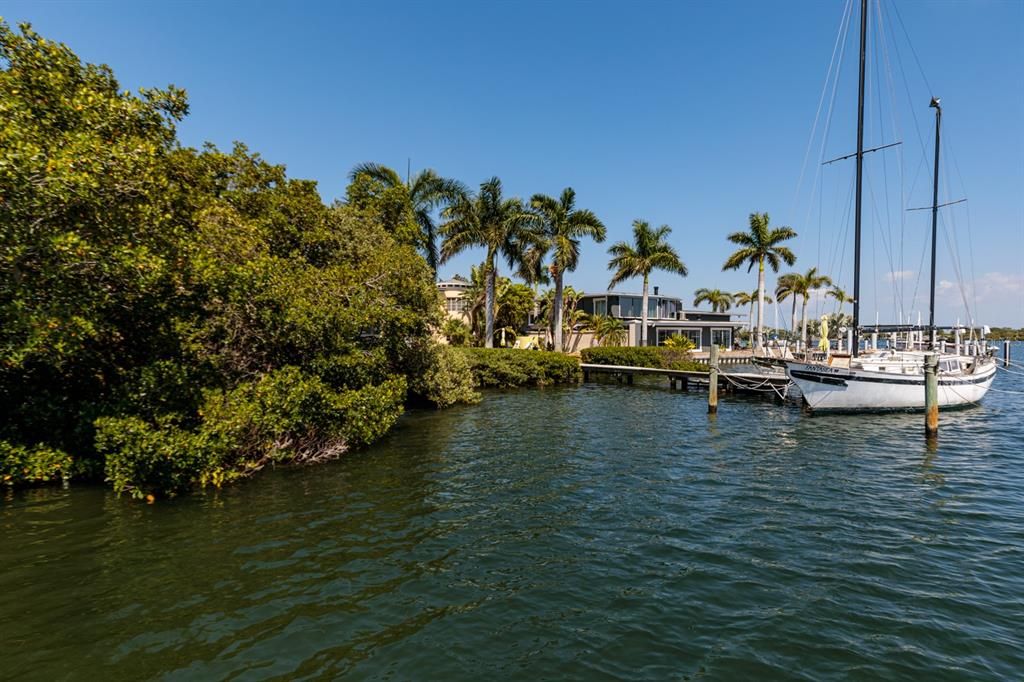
<point>713,381</point>
<point>931,395</point>
<point>1006,353</point>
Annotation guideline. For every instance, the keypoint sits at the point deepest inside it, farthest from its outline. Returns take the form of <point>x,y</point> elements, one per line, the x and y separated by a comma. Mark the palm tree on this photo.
<point>758,245</point>
<point>427,191</point>
<point>842,298</point>
<point>476,294</point>
<point>562,226</point>
<point>720,300</point>
<point>742,298</point>
<point>608,331</point>
<point>648,252</point>
<point>499,225</point>
<point>785,287</point>
<point>804,285</point>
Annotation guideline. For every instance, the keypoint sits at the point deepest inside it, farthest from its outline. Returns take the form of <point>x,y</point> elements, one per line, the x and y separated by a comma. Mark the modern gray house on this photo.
<point>665,317</point>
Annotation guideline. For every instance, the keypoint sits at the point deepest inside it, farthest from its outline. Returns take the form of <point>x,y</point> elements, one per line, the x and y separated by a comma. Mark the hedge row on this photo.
<point>509,367</point>
<point>642,356</point>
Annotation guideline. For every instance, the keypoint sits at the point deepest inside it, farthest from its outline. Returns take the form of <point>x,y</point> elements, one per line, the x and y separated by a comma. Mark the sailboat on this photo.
<point>893,378</point>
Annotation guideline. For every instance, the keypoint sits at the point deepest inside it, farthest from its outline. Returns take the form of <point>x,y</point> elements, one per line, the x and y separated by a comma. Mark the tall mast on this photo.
<point>935,218</point>
<point>860,174</point>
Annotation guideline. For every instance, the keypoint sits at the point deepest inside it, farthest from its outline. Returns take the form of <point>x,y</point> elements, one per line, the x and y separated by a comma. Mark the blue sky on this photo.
<point>685,113</point>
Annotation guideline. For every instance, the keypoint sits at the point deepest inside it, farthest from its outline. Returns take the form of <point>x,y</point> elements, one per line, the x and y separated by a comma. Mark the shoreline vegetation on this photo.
<point>175,318</point>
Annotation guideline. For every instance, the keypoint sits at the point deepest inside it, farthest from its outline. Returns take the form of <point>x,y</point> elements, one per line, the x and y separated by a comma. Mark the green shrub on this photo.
<point>642,356</point>
<point>145,458</point>
<point>20,465</point>
<point>509,367</point>
<point>284,417</point>
<point>447,380</point>
<point>679,342</point>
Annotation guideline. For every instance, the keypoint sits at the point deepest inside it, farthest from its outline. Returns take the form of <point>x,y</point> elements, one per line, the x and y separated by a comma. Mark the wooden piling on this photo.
<point>629,379</point>
<point>713,381</point>
<point>931,394</point>
<point>1006,353</point>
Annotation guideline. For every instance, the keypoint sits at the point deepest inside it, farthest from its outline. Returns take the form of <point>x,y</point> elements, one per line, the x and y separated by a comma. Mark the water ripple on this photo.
<point>592,532</point>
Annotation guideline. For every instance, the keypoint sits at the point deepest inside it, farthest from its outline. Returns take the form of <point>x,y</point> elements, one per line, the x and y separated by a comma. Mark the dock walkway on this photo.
<point>760,381</point>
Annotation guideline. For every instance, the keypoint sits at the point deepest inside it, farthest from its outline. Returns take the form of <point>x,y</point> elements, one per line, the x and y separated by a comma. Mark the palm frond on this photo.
<point>378,172</point>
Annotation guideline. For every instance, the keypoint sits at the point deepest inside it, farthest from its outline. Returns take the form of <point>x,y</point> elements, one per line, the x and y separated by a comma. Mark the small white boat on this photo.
<point>890,380</point>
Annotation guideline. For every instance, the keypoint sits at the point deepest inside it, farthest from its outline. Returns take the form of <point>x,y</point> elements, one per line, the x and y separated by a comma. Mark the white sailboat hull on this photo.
<point>857,390</point>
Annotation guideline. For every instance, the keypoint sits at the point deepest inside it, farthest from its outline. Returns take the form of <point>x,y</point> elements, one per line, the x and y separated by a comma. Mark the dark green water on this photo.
<point>586,533</point>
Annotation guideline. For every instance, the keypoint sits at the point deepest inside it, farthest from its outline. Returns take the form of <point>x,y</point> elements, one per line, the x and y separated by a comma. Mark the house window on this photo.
<point>629,306</point>
<point>721,337</point>
<point>664,334</point>
<point>456,305</point>
<point>600,306</point>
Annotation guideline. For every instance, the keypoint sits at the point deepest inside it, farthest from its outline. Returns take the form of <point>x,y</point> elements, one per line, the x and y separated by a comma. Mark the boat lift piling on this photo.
<point>931,395</point>
<point>713,380</point>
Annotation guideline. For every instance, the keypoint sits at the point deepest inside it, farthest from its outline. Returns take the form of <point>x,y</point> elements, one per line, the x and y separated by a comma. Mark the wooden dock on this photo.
<point>755,381</point>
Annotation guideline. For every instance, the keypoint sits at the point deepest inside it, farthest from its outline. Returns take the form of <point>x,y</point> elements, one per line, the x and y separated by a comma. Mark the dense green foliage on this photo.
<point>173,317</point>
<point>661,357</point>
<point>508,367</point>
<point>1006,334</point>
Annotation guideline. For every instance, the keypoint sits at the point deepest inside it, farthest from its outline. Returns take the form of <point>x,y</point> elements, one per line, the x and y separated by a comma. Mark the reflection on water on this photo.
<point>600,531</point>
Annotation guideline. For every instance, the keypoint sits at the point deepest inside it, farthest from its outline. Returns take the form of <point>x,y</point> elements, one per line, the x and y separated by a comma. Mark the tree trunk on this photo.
<point>489,305</point>
<point>643,316</point>
<point>556,314</point>
<point>760,305</point>
<point>792,323</point>
<point>803,323</point>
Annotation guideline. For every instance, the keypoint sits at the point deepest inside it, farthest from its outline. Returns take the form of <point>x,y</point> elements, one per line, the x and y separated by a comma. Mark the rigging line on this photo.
<point>882,35</point>
<point>956,252</point>
<point>920,271</point>
<point>842,238</point>
<point>1004,390</point>
<point>970,237</point>
<point>912,50</point>
<point>821,100</point>
<point>819,178</point>
<point>920,139</point>
<point>1007,370</point>
<point>844,241</point>
<point>956,269</point>
<point>874,205</point>
<point>910,100</point>
<point>955,247</point>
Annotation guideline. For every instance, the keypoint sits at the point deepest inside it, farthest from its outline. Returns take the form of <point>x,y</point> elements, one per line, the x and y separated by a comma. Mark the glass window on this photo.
<point>721,337</point>
<point>600,306</point>
<point>664,334</point>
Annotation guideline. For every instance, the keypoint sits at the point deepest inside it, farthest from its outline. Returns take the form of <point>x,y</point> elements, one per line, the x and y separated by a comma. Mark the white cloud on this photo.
<point>898,275</point>
<point>997,296</point>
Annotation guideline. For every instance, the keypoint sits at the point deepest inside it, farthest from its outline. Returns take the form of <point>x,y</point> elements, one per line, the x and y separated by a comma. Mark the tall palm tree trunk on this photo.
<point>760,305</point>
<point>643,316</point>
<point>792,323</point>
<point>489,305</point>
<point>556,314</point>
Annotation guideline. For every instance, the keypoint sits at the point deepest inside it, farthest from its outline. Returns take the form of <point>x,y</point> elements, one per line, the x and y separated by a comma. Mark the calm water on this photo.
<point>597,532</point>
